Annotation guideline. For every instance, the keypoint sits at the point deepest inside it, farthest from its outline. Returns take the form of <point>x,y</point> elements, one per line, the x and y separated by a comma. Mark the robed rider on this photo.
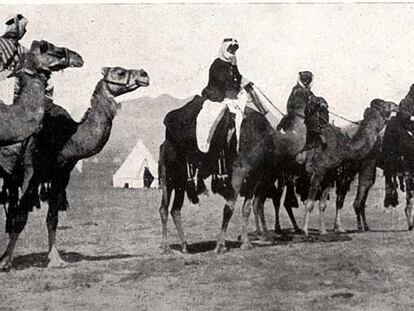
<point>316,112</point>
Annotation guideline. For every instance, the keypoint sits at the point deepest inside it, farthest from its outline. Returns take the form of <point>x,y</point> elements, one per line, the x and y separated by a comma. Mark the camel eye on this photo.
<point>122,74</point>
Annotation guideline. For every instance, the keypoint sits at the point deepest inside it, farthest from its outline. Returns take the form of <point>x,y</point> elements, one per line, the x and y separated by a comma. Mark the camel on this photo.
<point>21,119</point>
<point>272,185</point>
<point>342,177</point>
<point>260,144</point>
<point>60,144</point>
<point>398,155</point>
<point>322,165</point>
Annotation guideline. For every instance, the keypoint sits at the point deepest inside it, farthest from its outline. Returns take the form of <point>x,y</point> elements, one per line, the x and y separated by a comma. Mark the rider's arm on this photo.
<point>406,110</point>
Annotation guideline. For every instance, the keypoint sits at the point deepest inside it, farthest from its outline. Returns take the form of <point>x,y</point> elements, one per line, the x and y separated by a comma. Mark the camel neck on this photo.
<point>367,134</point>
<point>94,129</point>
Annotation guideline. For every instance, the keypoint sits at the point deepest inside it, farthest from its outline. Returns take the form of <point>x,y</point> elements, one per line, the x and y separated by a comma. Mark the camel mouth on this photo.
<point>143,81</point>
<point>75,60</point>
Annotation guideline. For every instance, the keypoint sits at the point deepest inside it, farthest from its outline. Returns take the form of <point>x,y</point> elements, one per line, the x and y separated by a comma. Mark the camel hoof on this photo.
<point>366,228</point>
<point>410,228</point>
<point>6,267</point>
<point>359,228</point>
<point>339,230</point>
<point>220,249</point>
<point>57,263</point>
<point>265,236</point>
<point>246,246</point>
<point>165,249</point>
<point>298,230</point>
<point>185,248</point>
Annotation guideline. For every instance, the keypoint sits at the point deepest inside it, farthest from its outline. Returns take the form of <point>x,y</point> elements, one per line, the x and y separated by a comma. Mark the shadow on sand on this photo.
<point>40,260</point>
<point>286,237</point>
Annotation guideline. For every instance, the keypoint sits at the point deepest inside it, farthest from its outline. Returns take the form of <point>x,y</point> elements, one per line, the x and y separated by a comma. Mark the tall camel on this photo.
<point>53,158</point>
<point>21,119</point>
<point>341,149</point>
<point>260,144</point>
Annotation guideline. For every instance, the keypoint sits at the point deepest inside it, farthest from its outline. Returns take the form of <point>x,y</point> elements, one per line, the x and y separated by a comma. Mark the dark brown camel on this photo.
<point>272,185</point>
<point>342,176</point>
<point>341,149</point>
<point>53,158</point>
<point>260,144</point>
<point>398,161</point>
<point>21,119</point>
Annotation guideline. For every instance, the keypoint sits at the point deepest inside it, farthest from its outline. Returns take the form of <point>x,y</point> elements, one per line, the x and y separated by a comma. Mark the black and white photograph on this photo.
<point>210,156</point>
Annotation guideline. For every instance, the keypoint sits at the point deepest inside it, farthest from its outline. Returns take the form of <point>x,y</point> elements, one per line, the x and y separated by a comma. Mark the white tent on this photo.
<point>131,173</point>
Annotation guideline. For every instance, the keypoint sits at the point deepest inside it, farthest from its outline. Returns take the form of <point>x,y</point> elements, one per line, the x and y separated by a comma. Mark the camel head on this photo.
<point>54,58</point>
<point>121,81</point>
<point>387,109</point>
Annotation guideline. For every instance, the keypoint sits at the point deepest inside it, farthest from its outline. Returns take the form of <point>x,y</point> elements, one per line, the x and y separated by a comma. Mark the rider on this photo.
<point>11,50</point>
<point>10,47</point>
<point>224,90</point>
<point>406,111</point>
<point>224,86</point>
<point>316,113</point>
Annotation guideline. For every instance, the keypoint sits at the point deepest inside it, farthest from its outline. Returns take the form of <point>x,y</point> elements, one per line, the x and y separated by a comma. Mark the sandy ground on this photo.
<point>111,237</point>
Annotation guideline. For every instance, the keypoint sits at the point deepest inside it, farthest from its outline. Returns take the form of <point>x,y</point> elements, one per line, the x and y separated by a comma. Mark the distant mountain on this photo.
<point>140,118</point>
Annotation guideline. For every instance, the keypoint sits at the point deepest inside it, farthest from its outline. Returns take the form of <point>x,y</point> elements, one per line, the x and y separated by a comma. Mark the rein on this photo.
<point>270,102</point>
<point>278,110</point>
<point>108,80</point>
<point>343,118</point>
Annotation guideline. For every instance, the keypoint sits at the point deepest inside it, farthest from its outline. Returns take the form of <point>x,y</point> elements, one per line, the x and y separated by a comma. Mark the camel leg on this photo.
<point>57,201</point>
<point>165,202</point>
<point>322,207</point>
<point>366,179</point>
<point>176,215</point>
<point>8,254</point>
<point>309,205</point>
<point>15,223</point>
<point>340,199</point>
<point>246,210</point>
<point>55,261</point>
<point>289,211</point>
<point>277,193</point>
<point>363,206</point>
<point>256,207</point>
<point>410,202</point>
<point>290,189</point>
<point>239,176</point>
<point>311,201</point>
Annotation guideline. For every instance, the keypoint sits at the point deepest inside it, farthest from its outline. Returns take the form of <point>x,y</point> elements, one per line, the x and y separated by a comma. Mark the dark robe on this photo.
<point>224,81</point>
<point>407,110</point>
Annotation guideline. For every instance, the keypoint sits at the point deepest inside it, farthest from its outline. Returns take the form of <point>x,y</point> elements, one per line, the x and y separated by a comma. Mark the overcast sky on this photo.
<point>357,52</point>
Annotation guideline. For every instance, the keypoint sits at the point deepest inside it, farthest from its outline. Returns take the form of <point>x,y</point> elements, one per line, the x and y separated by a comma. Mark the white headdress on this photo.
<point>224,54</point>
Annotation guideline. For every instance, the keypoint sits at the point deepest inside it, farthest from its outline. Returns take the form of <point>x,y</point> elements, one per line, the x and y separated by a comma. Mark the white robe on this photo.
<point>211,114</point>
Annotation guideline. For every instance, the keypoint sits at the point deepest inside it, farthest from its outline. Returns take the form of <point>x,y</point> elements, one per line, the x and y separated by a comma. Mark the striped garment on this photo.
<point>10,50</point>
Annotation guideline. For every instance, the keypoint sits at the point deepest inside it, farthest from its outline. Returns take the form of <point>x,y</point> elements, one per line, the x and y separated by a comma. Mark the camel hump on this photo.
<point>186,113</point>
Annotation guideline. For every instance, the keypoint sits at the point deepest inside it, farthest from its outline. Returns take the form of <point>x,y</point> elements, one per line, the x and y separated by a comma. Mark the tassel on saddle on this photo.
<point>220,182</point>
<point>190,184</point>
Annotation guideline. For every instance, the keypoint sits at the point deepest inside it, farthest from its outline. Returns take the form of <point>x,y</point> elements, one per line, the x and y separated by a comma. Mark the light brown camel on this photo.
<point>21,119</point>
<point>319,164</point>
<point>53,164</point>
<point>260,144</point>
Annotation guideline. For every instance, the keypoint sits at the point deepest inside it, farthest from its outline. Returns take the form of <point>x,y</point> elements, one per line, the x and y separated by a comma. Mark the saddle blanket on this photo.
<point>211,114</point>
<point>7,90</point>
